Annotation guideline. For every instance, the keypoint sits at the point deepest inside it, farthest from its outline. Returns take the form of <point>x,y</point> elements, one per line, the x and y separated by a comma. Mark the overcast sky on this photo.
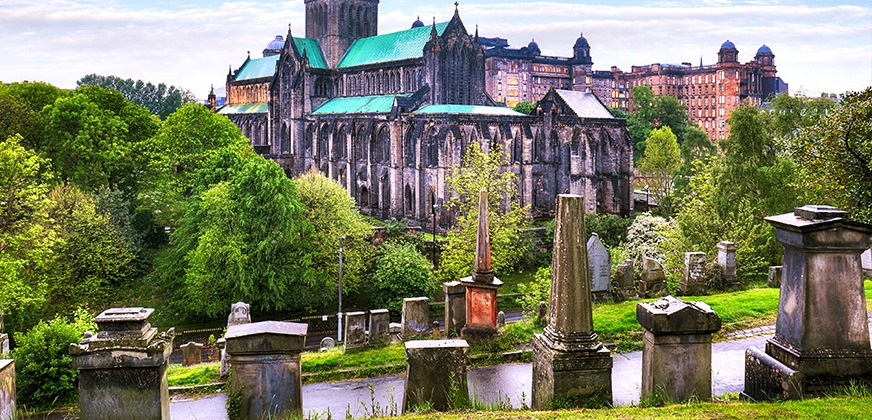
<point>819,46</point>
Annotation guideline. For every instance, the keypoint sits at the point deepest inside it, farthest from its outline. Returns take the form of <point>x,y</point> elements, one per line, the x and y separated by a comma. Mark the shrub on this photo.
<point>400,272</point>
<point>43,365</point>
<point>644,238</point>
<point>538,290</point>
<point>611,229</point>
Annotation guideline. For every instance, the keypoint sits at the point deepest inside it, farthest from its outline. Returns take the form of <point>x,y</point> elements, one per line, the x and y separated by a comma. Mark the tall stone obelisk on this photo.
<point>570,365</point>
<point>481,287</point>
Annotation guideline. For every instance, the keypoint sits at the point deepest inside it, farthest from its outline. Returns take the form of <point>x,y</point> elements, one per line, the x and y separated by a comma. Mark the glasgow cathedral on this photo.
<point>389,115</point>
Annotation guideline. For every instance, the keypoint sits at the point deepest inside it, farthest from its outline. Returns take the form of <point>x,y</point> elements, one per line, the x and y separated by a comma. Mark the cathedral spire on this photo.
<point>456,5</point>
<point>477,42</point>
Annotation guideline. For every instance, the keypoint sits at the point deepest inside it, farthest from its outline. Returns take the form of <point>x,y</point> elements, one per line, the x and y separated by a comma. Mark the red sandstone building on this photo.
<point>709,92</point>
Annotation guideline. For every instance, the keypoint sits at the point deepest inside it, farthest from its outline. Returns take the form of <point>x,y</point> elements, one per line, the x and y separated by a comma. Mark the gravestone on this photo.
<point>482,286</point>
<point>677,352</point>
<point>355,331</point>
<point>379,327</point>
<point>774,279</point>
<point>7,389</point>
<point>396,330</point>
<point>727,262</point>
<point>570,365</point>
<point>501,319</point>
<point>542,312</point>
<point>123,368</point>
<point>821,343</point>
<point>435,373</point>
<point>265,368</point>
<point>455,307</point>
<point>653,281</point>
<point>327,343</point>
<point>240,313</point>
<point>692,280</point>
<point>599,263</point>
<point>623,280</point>
<point>191,353</point>
<point>416,317</point>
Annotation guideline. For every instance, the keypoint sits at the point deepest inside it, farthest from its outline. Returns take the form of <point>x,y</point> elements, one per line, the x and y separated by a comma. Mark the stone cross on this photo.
<point>570,364</point>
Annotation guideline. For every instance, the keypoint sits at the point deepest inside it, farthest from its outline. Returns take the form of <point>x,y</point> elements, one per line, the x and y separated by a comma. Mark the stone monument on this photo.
<point>379,327</point>
<point>653,280</point>
<point>692,280</point>
<point>821,341</point>
<point>192,353</point>
<point>7,389</point>
<point>623,280</point>
<point>435,372</point>
<point>123,368</point>
<point>265,368</point>
<point>416,317</point>
<point>727,261</point>
<point>677,354</point>
<point>455,307</point>
<point>774,279</point>
<point>570,364</point>
<point>482,286</point>
<point>355,331</point>
<point>240,313</point>
<point>599,263</point>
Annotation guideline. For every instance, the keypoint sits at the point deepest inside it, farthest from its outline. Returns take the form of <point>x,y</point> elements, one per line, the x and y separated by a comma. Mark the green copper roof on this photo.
<point>469,109</point>
<point>255,108</point>
<point>257,68</point>
<point>395,46</point>
<point>357,105</point>
<point>312,50</point>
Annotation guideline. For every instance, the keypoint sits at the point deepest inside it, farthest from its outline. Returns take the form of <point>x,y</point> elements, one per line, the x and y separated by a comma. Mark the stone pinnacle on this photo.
<point>482,270</point>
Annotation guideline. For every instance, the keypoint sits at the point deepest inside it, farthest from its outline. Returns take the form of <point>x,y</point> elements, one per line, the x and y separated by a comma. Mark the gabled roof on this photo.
<point>469,109</point>
<point>584,104</point>
<point>396,46</point>
<point>358,105</point>
<point>254,108</point>
<point>312,49</point>
<point>256,68</point>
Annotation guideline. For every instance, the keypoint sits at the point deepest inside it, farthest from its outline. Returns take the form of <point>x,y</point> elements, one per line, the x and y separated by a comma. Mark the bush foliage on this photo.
<point>400,272</point>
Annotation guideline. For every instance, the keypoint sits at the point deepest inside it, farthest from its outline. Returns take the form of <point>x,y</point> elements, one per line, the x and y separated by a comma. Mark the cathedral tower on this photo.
<point>337,23</point>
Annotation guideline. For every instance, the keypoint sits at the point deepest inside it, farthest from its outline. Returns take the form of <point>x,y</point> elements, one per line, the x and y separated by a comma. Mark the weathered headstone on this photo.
<point>123,368</point>
<point>570,365</point>
<point>265,368</point>
<point>821,341</point>
<point>379,324</point>
<point>240,313</point>
<point>774,279</point>
<point>7,389</point>
<point>599,263</point>
<point>501,319</point>
<point>482,286</point>
<point>192,353</point>
<point>623,280</point>
<point>396,330</point>
<point>727,261</point>
<point>455,307</point>
<point>327,343</point>
<point>435,373</point>
<point>677,353</point>
<point>355,331</point>
<point>692,279</point>
<point>653,280</point>
<point>416,317</point>
<point>542,312</point>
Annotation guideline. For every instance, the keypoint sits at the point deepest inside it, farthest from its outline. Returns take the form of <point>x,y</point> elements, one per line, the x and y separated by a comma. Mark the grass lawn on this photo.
<point>204,373</point>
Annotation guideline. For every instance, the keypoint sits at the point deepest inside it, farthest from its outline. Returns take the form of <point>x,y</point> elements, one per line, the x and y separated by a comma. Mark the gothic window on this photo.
<point>539,148</point>
<point>517,148</point>
<point>361,144</point>
<point>307,142</point>
<point>409,196</point>
<point>384,143</point>
<point>323,142</point>
<point>386,193</point>
<point>286,139</point>
<point>364,197</point>
<point>432,149</point>
<point>339,151</point>
<point>411,149</point>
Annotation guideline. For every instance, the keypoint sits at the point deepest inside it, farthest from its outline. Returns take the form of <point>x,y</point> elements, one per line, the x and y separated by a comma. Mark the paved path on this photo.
<point>509,383</point>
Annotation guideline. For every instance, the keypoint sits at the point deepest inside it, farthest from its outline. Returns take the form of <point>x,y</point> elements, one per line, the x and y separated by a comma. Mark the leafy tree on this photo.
<point>835,154</point>
<point>525,107</point>
<point>482,171</point>
<point>43,365</point>
<point>17,118</point>
<point>611,228</point>
<point>401,271</point>
<point>662,158</point>
<point>244,238</point>
<point>789,116</point>
<point>649,112</point>
<point>37,95</point>
<point>185,143</point>
<point>160,99</point>
<point>696,146</point>
<point>332,213</point>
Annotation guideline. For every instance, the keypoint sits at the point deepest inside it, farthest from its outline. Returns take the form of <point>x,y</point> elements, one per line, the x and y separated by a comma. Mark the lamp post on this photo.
<point>433,248</point>
<point>339,314</point>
